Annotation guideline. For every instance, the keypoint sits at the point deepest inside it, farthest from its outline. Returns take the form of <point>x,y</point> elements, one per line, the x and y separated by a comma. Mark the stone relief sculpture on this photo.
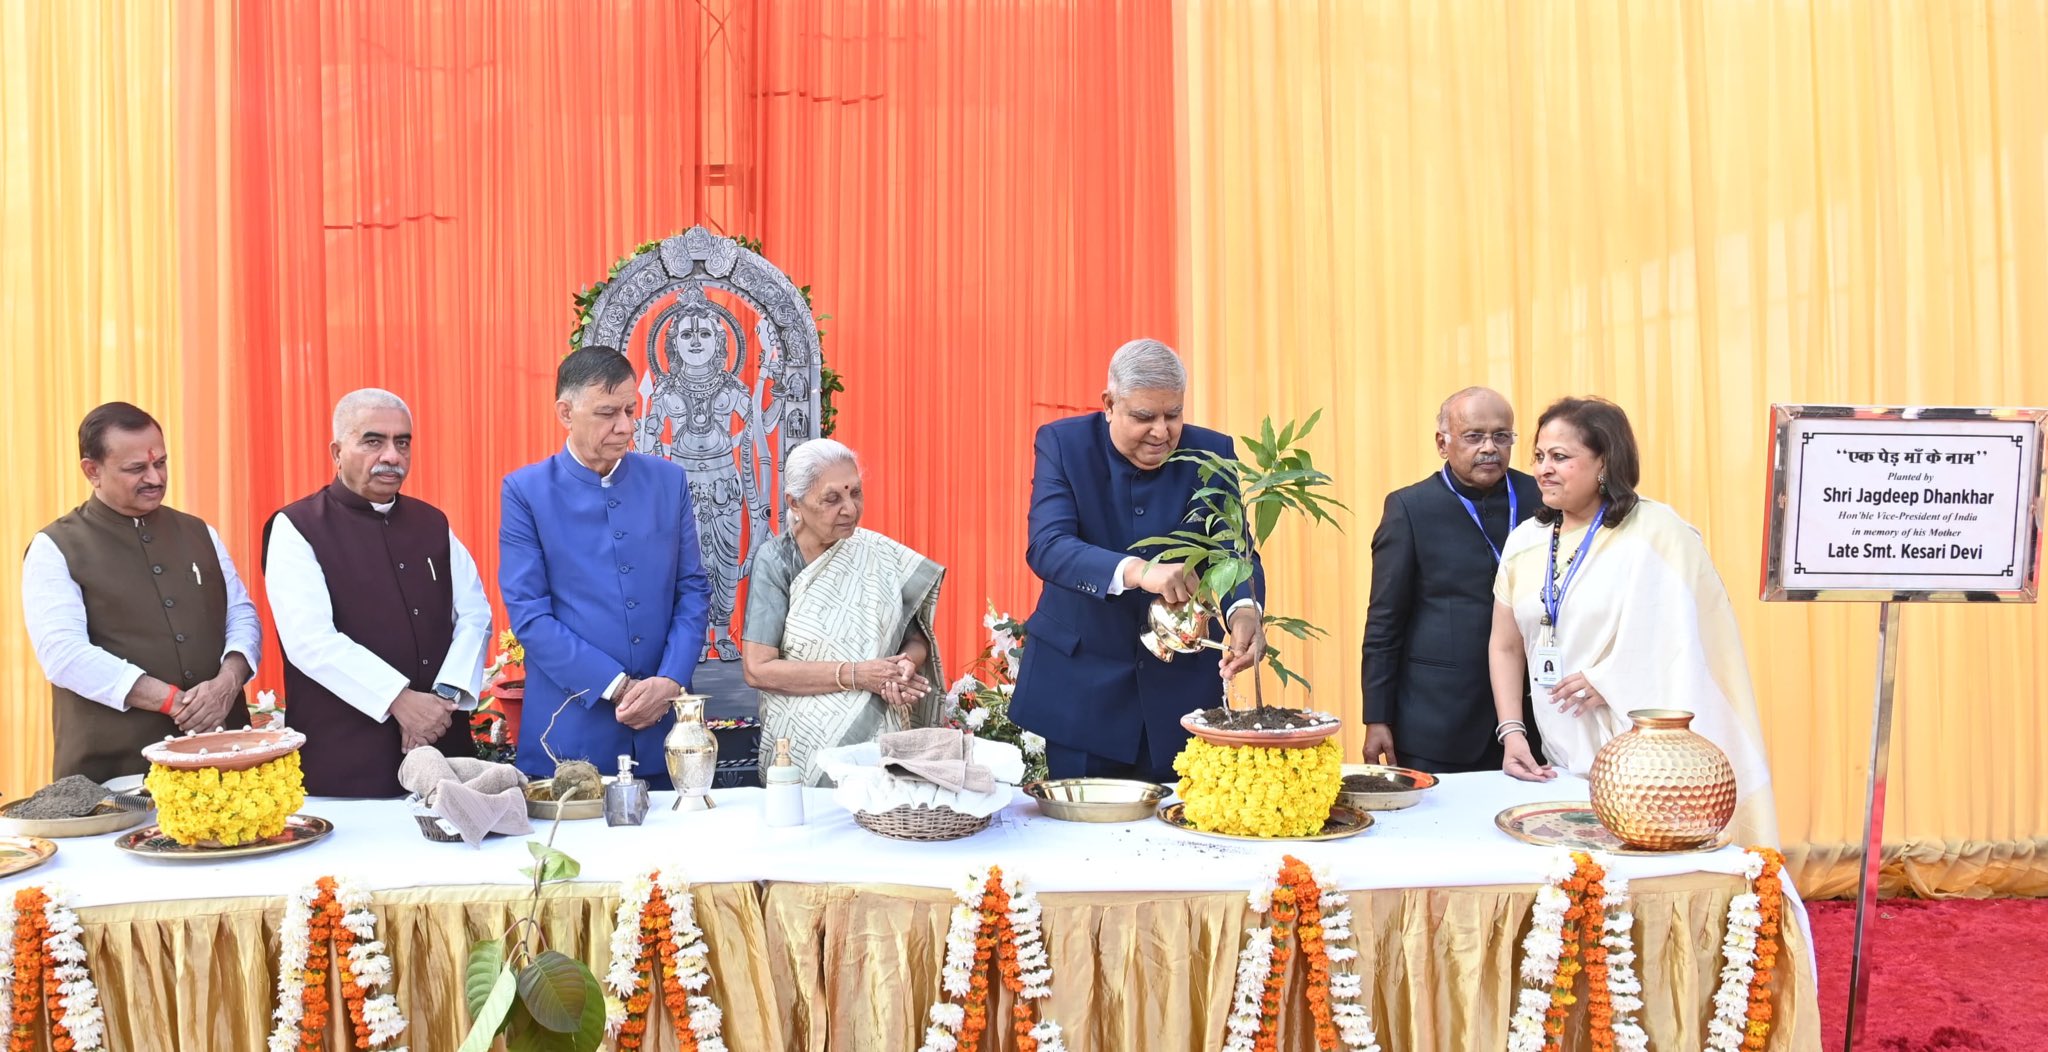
<point>723,399</point>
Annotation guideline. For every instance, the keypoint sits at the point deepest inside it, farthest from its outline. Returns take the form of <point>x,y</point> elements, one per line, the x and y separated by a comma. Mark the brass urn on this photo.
<point>1661,786</point>
<point>692,753</point>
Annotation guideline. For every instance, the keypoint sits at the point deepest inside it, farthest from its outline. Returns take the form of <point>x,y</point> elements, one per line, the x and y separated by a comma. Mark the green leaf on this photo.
<point>551,988</point>
<point>491,1018</point>
<point>486,961</point>
<point>554,865</point>
<point>1286,436</point>
<point>1268,517</point>
<point>1309,425</point>
<point>590,1031</point>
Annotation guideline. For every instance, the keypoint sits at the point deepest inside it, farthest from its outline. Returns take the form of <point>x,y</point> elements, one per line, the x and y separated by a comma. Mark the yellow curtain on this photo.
<point>88,282</point>
<point>1695,209</point>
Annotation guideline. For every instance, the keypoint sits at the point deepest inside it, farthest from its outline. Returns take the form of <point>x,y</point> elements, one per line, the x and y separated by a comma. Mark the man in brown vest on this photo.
<point>390,658</point>
<point>134,609</point>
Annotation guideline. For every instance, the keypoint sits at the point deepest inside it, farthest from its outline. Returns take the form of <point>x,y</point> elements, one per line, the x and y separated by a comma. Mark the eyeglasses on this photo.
<point>1479,438</point>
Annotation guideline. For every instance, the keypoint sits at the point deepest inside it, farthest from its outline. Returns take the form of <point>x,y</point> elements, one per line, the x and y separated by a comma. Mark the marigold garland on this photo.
<point>326,924</point>
<point>655,938</point>
<point>1749,950</point>
<point>1251,791</point>
<point>43,969</point>
<point>1579,924</point>
<point>1303,910</point>
<point>996,920</point>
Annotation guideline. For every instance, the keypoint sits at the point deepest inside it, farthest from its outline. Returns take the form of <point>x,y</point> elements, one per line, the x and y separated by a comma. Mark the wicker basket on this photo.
<point>430,827</point>
<point>905,822</point>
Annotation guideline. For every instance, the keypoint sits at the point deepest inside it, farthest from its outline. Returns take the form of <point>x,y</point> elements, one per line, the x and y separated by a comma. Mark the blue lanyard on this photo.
<point>1473,509</point>
<point>1553,589</point>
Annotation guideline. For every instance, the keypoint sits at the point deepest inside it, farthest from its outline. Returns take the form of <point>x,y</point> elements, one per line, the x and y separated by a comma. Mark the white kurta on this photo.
<point>1648,622</point>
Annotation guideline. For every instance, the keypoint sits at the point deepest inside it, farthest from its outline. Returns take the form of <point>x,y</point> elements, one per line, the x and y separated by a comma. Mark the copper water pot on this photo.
<point>1662,786</point>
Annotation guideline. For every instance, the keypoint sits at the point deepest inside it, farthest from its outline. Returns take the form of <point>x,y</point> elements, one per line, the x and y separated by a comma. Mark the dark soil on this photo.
<point>1266,717</point>
<point>72,797</point>
<point>1374,783</point>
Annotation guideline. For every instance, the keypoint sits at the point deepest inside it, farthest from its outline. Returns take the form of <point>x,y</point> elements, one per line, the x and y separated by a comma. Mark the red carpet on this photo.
<point>1947,976</point>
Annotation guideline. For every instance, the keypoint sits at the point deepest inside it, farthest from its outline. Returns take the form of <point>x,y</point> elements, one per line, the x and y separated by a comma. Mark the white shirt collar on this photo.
<point>604,480</point>
<point>384,508</point>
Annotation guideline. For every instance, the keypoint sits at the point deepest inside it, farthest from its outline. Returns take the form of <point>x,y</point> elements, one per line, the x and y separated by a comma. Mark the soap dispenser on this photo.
<point>625,799</point>
<point>785,788</point>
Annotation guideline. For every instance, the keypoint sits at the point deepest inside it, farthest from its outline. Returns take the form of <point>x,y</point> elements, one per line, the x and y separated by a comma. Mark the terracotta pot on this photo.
<point>1290,738</point>
<point>236,750</point>
<point>1661,786</point>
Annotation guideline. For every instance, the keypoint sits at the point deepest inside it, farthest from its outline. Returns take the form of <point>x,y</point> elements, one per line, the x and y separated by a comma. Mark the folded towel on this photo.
<point>478,797</point>
<point>937,755</point>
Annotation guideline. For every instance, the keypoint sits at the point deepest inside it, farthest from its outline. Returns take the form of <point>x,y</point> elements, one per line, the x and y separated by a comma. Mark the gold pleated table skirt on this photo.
<point>856,967</point>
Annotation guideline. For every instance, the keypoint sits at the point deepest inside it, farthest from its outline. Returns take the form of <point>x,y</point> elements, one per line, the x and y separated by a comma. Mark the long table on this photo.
<point>828,936</point>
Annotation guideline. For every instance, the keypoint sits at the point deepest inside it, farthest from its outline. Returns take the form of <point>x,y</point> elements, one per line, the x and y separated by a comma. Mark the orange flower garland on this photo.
<point>1295,902</point>
<point>1770,892</point>
<point>43,959</point>
<point>996,921</point>
<point>1571,931</point>
<point>329,927</point>
<point>29,966</point>
<point>1593,914</point>
<point>655,940</point>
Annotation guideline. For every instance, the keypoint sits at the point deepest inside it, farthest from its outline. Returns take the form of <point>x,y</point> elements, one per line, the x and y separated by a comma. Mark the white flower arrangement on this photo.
<point>1253,962</point>
<point>1543,949</point>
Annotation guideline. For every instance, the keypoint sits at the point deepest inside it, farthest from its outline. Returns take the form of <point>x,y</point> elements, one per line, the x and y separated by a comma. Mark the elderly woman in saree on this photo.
<point>838,634</point>
<point>1607,601</point>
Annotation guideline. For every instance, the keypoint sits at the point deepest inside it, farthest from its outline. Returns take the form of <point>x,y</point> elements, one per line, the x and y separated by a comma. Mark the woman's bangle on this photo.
<point>839,676</point>
<point>1507,727</point>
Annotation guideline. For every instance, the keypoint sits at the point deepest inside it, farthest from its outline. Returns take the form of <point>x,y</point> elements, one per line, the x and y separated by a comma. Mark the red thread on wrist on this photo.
<point>169,700</point>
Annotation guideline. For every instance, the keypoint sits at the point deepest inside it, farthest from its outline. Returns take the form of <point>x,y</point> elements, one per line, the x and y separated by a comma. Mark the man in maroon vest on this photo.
<point>379,608</point>
<point>133,608</point>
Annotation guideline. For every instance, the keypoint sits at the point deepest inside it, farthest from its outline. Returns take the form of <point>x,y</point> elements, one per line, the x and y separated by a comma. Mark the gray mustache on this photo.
<point>388,471</point>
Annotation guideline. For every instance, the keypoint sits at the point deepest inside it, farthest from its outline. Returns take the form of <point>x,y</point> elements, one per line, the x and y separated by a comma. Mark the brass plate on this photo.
<point>1096,799</point>
<point>19,854</point>
<point>1571,824</point>
<point>1419,782</point>
<point>121,812</point>
<point>1343,822</point>
<point>150,842</point>
<point>549,810</point>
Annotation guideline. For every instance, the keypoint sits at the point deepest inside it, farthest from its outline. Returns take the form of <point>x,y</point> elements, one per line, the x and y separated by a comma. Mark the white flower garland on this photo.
<point>693,956</point>
<point>1624,990</point>
<point>1728,1028</point>
<point>7,918</point>
<point>1543,948</point>
<point>1348,1005</point>
<point>956,976</point>
<point>83,1019</point>
<point>368,962</point>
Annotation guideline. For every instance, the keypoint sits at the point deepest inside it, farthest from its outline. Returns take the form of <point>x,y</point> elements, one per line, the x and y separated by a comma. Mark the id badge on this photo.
<point>1547,667</point>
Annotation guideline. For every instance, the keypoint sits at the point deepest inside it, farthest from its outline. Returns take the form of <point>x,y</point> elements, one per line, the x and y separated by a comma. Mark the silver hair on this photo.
<point>803,465</point>
<point>355,402</point>
<point>1443,412</point>
<point>1145,365</point>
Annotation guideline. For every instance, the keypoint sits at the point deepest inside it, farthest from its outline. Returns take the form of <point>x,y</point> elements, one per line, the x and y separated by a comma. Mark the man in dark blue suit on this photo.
<point>1102,481</point>
<point>1434,557</point>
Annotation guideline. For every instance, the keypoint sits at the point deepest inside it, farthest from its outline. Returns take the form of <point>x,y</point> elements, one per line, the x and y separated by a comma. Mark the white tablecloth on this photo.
<point>1447,840</point>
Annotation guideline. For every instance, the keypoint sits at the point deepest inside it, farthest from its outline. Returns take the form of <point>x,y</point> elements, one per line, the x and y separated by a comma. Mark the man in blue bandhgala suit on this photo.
<point>1103,481</point>
<point>602,578</point>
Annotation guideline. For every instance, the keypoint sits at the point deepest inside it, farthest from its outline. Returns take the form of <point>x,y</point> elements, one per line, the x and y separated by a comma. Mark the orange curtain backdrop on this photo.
<point>1696,209</point>
<point>407,196</point>
<point>89,289</point>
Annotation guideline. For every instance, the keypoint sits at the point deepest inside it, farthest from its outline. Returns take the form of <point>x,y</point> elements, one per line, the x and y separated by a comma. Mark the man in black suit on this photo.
<point>1433,562</point>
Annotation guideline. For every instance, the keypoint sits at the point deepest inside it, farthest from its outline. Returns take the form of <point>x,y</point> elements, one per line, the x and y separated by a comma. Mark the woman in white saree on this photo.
<point>838,633</point>
<point>1634,617</point>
